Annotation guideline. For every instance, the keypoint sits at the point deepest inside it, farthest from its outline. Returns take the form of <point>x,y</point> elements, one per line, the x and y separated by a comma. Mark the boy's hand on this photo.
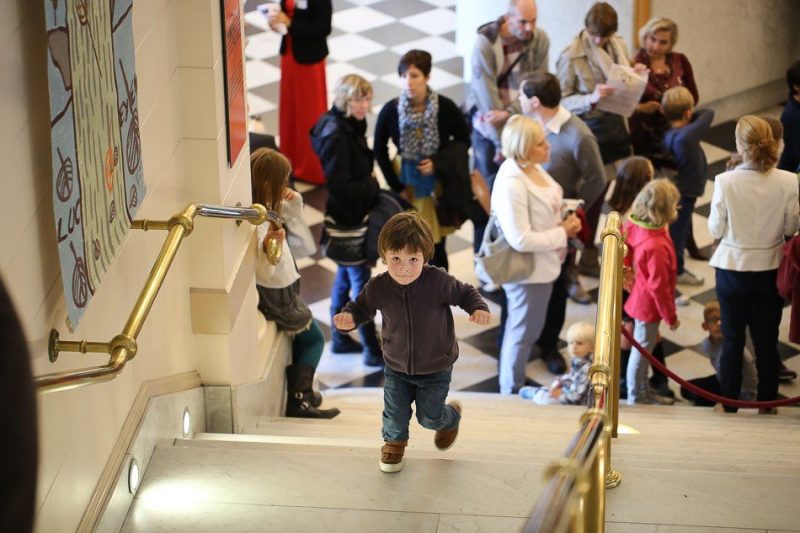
<point>555,392</point>
<point>627,278</point>
<point>480,317</point>
<point>676,325</point>
<point>344,321</point>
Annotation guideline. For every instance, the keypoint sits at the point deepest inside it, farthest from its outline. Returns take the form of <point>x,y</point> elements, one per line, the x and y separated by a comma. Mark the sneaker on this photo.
<point>682,300</point>
<point>578,294</point>
<point>687,278</point>
<point>445,438</point>
<point>663,400</point>
<point>640,400</point>
<point>786,373</point>
<point>392,456</point>
<point>346,344</point>
<point>768,411</point>
<point>527,392</point>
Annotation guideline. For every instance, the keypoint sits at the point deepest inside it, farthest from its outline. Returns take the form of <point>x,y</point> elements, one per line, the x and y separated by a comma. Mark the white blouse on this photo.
<point>751,212</point>
<point>530,217</point>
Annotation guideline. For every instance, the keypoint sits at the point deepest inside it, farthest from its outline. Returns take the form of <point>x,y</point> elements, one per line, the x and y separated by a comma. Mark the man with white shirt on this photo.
<point>575,163</point>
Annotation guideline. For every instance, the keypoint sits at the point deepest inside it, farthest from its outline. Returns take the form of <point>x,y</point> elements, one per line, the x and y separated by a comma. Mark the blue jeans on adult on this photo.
<point>483,152</point>
<point>749,299</point>
<point>680,228</point>
<point>347,285</point>
<point>428,392</point>
<point>527,308</point>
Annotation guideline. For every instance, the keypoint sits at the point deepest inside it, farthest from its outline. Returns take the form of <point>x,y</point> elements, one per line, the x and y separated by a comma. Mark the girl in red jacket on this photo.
<point>652,297</point>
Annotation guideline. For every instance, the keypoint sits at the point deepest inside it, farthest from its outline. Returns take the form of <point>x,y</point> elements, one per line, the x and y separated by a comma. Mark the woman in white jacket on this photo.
<point>753,208</point>
<point>527,203</point>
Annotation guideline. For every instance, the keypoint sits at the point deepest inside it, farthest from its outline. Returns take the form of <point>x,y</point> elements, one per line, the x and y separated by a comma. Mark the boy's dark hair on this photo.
<point>709,308</point>
<point>793,77</point>
<point>545,87</point>
<point>601,19</point>
<point>415,58</point>
<point>406,231</point>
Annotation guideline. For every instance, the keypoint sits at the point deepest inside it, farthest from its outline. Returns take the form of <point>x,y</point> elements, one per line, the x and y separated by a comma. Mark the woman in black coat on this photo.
<point>339,140</point>
<point>420,123</point>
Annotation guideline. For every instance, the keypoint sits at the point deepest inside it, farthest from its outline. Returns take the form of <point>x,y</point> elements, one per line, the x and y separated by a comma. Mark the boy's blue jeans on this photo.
<point>428,391</point>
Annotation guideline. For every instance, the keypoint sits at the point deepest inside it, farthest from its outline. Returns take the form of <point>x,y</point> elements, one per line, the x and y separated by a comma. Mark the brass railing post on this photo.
<point>594,511</point>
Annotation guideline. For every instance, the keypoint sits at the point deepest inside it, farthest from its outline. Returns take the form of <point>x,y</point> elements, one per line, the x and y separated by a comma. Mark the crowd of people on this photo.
<point>533,139</point>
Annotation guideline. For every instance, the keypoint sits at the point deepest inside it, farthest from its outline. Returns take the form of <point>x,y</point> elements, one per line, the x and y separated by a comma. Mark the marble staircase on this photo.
<point>684,469</point>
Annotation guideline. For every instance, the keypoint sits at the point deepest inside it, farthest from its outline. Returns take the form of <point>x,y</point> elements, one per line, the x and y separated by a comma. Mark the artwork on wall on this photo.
<point>234,78</point>
<point>96,147</point>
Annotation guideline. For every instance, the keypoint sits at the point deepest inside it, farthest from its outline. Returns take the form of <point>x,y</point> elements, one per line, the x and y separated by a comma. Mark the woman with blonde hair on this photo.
<point>668,69</point>
<point>754,207</point>
<point>339,139</point>
<point>527,203</point>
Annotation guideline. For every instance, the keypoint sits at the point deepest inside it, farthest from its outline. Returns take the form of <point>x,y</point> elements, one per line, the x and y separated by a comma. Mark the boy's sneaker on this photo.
<point>445,438</point>
<point>687,278</point>
<point>682,300</point>
<point>392,455</point>
<point>527,392</point>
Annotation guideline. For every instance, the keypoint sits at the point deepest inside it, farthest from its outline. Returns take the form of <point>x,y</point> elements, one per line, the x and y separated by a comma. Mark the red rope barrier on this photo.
<point>702,392</point>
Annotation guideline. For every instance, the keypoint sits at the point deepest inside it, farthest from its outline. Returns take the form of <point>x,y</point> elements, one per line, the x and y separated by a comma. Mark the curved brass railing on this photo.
<point>122,347</point>
<point>574,498</point>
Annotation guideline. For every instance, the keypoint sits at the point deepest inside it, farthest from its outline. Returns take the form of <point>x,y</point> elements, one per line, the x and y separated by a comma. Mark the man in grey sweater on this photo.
<point>576,165</point>
<point>506,50</point>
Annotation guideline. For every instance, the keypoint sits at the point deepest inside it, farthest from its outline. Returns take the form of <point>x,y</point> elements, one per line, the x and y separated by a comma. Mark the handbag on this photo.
<point>345,244</point>
<point>498,261</point>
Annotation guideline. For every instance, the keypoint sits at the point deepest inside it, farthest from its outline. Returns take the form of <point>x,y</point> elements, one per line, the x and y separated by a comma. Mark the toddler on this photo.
<point>651,299</point>
<point>571,388</point>
<point>419,342</point>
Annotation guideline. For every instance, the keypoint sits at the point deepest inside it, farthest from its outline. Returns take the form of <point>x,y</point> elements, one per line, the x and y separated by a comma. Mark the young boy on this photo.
<point>419,342</point>
<point>571,388</point>
<point>687,128</point>
<point>712,348</point>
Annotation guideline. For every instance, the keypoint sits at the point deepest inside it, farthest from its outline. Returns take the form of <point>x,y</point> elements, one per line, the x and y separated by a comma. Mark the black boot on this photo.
<point>300,396</point>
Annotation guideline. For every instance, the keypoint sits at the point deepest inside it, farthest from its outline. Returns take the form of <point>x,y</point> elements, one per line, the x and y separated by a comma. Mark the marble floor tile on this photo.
<point>351,46</point>
<point>440,48</point>
<point>714,153</point>
<point>334,71</point>
<point>259,73</point>
<point>360,19</point>
<point>263,45</point>
<point>257,105</point>
<point>402,9</point>
<point>433,22</point>
<point>441,3</point>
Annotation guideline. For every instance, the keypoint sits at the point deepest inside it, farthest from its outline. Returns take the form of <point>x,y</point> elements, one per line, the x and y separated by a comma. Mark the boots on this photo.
<point>300,400</point>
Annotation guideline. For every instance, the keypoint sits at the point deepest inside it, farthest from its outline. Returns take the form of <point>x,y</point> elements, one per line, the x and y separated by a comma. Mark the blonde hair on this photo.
<point>657,203</point>
<point>350,87</point>
<point>655,25</point>
<point>581,331</point>
<point>269,177</point>
<point>758,146</point>
<point>677,101</point>
<point>519,135</point>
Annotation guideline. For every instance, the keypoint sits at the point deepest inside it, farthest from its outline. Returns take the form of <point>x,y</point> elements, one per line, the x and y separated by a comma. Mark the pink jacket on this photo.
<point>652,256</point>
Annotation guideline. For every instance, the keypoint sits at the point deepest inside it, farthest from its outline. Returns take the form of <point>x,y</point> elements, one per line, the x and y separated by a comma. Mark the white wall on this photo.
<point>179,73</point>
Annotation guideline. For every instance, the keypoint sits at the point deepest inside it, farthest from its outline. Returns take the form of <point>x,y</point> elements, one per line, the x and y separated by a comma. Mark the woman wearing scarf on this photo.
<point>420,123</point>
<point>583,68</point>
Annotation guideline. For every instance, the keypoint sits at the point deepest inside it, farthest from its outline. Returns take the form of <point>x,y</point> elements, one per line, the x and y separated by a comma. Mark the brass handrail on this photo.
<point>122,347</point>
<point>574,498</point>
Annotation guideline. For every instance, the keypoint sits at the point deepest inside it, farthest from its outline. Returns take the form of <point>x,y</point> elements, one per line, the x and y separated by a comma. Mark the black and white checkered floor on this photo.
<point>368,38</point>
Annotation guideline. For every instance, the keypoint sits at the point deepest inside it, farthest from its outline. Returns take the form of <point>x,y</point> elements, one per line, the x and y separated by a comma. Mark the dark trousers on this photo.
<point>682,228</point>
<point>439,258</point>
<point>749,299</point>
<point>483,152</point>
<point>708,383</point>
<point>556,308</point>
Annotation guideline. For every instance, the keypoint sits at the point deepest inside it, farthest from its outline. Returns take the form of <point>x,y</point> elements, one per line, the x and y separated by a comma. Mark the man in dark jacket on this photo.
<point>339,140</point>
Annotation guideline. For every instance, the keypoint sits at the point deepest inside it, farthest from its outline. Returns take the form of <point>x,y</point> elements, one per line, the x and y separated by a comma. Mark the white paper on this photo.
<point>628,89</point>
<point>267,10</point>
